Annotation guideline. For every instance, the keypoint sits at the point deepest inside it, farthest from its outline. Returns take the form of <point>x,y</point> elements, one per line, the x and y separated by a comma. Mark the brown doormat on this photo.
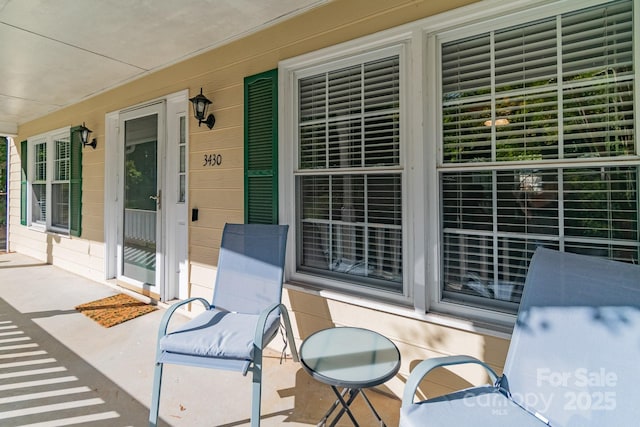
<point>115,309</point>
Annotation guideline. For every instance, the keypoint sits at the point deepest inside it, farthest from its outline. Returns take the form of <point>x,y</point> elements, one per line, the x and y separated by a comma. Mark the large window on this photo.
<point>52,190</point>
<point>538,146</point>
<point>349,173</point>
<point>423,165</point>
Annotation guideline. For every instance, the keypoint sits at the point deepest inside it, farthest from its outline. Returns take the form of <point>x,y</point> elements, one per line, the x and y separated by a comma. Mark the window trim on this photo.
<point>494,19</point>
<point>290,72</point>
<point>49,139</point>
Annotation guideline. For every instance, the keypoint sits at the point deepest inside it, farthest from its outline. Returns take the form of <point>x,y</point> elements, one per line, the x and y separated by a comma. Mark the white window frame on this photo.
<point>289,74</point>
<point>421,153</point>
<point>434,38</point>
<point>49,139</point>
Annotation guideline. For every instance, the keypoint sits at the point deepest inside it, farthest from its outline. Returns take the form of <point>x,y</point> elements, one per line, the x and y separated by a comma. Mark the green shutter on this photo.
<point>75,184</point>
<point>23,183</point>
<point>261,148</point>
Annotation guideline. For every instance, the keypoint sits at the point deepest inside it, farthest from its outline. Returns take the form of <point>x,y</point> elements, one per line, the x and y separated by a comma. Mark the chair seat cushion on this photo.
<point>479,406</point>
<point>219,334</point>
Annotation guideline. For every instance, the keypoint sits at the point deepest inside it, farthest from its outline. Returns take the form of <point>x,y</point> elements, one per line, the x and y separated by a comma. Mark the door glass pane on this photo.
<point>140,191</point>
<point>182,189</point>
<point>182,167</point>
<point>182,159</point>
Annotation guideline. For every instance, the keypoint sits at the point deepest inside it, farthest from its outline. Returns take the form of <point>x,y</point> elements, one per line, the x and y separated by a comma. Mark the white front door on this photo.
<point>146,197</point>
<point>140,244</point>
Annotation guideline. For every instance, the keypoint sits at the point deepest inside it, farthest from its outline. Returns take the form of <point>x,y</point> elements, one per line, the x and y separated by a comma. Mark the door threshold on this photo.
<point>146,292</point>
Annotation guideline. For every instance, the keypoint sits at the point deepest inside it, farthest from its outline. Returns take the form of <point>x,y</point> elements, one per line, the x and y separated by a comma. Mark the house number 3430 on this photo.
<point>212,160</point>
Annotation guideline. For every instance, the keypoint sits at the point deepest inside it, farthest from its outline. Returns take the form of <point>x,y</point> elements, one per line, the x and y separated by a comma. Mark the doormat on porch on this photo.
<point>115,309</point>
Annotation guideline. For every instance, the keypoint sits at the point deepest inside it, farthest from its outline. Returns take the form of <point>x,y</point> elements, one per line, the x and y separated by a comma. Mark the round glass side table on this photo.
<point>352,359</point>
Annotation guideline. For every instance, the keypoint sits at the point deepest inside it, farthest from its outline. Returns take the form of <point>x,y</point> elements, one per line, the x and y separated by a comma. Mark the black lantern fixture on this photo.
<point>84,137</point>
<point>200,106</point>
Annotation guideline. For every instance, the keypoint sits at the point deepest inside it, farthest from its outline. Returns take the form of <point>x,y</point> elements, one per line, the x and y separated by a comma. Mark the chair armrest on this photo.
<point>426,366</point>
<point>164,323</point>
<point>262,321</point>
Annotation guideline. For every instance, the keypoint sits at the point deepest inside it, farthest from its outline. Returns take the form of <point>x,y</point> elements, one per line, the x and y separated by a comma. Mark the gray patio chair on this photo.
<point>243,317</point>
<point>573,358</point>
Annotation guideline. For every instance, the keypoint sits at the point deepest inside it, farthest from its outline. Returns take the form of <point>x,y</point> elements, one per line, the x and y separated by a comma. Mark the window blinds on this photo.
<point>60,184</point>
<point>558,89</point>
<point>350,117</point>
<point>349,180</point>
<point>39,186</point>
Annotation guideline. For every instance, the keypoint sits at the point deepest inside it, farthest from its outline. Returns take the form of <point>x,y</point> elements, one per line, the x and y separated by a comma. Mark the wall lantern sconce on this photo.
<point>200,106</point>
<point>84,137</point>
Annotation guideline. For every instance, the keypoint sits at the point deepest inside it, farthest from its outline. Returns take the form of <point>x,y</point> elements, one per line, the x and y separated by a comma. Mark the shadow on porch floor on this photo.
<point>75,370</point>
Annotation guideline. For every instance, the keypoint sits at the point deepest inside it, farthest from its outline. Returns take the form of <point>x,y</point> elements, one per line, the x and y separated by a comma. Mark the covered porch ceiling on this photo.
<point>57,53</point>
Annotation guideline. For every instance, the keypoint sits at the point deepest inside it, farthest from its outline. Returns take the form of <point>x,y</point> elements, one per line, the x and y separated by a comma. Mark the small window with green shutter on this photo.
<point>51,182</point>
<point>260,148</point>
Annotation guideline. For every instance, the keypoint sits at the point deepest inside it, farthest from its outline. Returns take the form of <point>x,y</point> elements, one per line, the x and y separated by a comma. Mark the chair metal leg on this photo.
<point>257,389</point>
<point>155,397</point>
<point>289,331</point>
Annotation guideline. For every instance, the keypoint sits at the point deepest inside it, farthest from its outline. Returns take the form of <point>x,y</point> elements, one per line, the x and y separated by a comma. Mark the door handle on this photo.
<point>157,198</point>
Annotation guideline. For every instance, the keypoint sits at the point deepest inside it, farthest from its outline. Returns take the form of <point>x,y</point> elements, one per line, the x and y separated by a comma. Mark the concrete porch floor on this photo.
<point>59,368</point>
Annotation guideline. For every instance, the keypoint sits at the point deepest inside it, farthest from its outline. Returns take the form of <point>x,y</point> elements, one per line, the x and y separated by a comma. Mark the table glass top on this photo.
<point>350,357</point>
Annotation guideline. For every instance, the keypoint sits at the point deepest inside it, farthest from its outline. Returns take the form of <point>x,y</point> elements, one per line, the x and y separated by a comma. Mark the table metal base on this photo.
<point>340,401</point>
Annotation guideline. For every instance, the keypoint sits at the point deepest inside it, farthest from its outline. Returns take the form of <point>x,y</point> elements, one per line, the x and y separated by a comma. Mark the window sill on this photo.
<point>497,330</point>
<point>52,232</point>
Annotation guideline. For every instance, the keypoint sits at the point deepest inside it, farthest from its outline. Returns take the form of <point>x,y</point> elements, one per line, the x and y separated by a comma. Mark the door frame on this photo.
<point>173,252</point>
<point>154,290</point>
